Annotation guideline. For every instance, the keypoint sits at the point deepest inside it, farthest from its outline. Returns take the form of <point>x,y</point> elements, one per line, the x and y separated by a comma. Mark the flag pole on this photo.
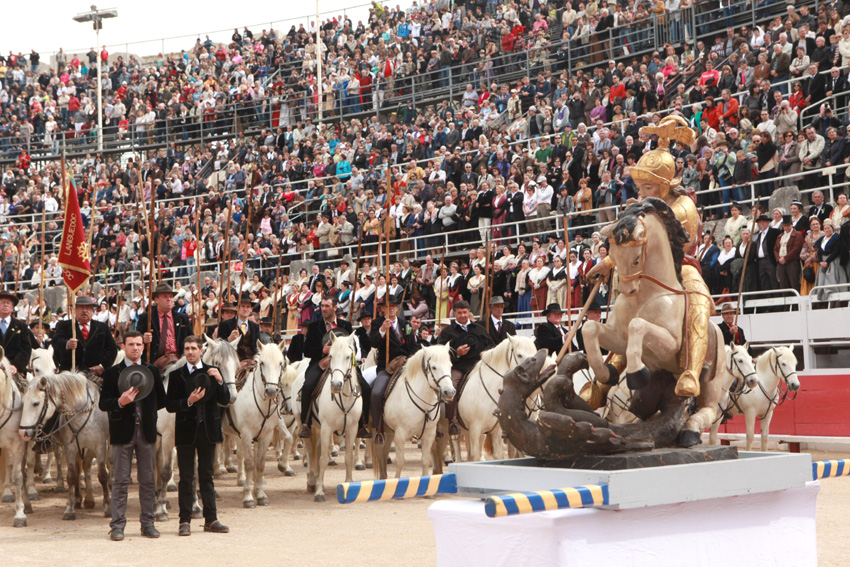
<point>43,260</point>
<point>151,267</point>
<point>387,259</point>
<point>72,301</point>
<point>198,323</point>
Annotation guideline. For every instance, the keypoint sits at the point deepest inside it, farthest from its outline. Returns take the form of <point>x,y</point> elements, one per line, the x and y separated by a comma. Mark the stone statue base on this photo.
<point>646,459</point>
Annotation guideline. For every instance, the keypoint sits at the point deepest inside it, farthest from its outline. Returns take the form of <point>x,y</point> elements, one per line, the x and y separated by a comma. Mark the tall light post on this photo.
<point>96,17</point>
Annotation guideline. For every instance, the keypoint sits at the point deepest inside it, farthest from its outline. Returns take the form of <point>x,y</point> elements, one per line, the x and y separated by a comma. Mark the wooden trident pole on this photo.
<point>152,265</point>
<point>485,295</point>
<point>198,324</point>
<point>387,231</point>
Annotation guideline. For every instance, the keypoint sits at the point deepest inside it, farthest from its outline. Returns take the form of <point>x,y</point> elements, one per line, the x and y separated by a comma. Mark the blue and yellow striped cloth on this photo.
<point>830,469</point>
<point>369,490</point>
<point>543,500</point>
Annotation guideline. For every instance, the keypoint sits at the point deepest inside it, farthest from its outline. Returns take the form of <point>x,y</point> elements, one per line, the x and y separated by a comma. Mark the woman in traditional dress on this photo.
<point>292,320</point>
<point>840,213</point>
<point>831,273</point>
<point>557,282</point>
<point>500,211</point>
<point>587,263</point>
<point>523,290</point>
<point>441,291</point>
<point>539,287</point>
<point>727,254</point>
<point>735,223</point>
<point>575,280</point>
<point>476,288</point>
<point>305,305</point>
<point>809,254</point>
<point>454,280</point>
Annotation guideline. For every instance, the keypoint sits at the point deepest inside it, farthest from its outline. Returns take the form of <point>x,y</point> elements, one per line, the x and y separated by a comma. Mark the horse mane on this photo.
<point>223,350</point>
<point>415,361</point>
<point>624,229</point>
<point>72,386</point>
<point>6,381</point>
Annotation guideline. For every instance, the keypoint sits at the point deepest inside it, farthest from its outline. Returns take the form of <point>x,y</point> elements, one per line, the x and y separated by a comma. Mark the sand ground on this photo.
<point>293,530</point>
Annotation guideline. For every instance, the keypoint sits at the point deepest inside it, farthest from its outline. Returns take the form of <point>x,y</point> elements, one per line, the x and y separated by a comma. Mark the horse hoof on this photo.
<point>249,504</point>
<point>311,488</point>
<point>197,514</point>
<point>362,445</point>
<point>334,453</point>
<point>69,516</point>
<point>240,483</point>
<point>319,498</point>
<point>332,463</point>
<point>161,517</point>
<point>289,472</point>
<point>359,468</point>
<point>27,508</point>
<point>172,487</point>
<point>689,438</point>
<point>639,379</point>
<point>368,465</point>
<point>296,457</point>
<point>19,523</point>
<point>47,480</point>
<point>7,499</point>
<point>34,497</point>
<point>264,501</point>
<point>231,469</point>
<point>88,504</point>
<point>107,514</point>
<point>60,488</point>
<point>613,375</point>
<point>167,505</point>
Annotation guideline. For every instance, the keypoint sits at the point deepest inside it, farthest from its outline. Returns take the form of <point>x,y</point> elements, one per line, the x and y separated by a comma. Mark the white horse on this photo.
<point>218,353</point>
<point>82,429</point>
<point>412,408</point>
<point>480,395</point>
<point>287,415</point>
<point>774,366</point>
<point>255,419</point>
<point>336,409</point>
<point>11,443</point>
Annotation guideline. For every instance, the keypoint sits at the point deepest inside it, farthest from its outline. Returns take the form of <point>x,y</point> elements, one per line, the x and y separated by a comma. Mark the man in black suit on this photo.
<point>764,276</point>
<point>402,342</point>
<point>362,333</point>
<point>819,209</point>
<point>244,329</point>
<point>500,328</point>
<point>132,429</point>
<point>484,208</point>
<point>467,340</point>
<point>40,334</point>
<point>94,345</point>
<point>551,334</point>
<point>15,337</point>
<point>316,349</point>
<point>197,431</point>
<point>295,351</point>
<point>515,213</point>
<point>594,313</point>
<point>732,333</point>
<point>168,328</point>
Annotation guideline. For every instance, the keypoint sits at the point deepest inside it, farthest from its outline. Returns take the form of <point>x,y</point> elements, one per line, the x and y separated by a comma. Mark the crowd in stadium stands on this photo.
<point>505,162</point>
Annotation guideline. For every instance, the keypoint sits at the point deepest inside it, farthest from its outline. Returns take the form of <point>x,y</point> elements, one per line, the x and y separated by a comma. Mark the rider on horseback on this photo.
<point>402,344</point>
<point>654,176</point>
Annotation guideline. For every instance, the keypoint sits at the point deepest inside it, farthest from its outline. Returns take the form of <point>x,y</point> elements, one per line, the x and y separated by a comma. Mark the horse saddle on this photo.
<point>394,369</point>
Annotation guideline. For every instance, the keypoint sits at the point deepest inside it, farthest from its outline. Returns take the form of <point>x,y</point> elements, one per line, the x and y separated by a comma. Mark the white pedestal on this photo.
<point>771,528</point>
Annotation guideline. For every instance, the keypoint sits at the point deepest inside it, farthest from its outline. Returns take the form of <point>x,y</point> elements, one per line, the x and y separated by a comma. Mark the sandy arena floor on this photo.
<point>293,530</point>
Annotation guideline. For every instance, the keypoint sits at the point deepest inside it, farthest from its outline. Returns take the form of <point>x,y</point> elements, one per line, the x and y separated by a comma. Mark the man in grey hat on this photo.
<point>168,328</point>
<point>500,328</point>
<point>132,429</point>
<point>94,344</point>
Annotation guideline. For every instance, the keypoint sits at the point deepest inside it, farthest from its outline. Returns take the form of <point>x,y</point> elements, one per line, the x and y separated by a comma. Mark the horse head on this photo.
<point>739,364</point>
<point>437,367</point>
<point>784,364</point>
<point>271,365</point>
<point>41,362</point>
<point>644,228</point>
<point>343,357</point>
<point>222,354</point>
<point>37,407</point>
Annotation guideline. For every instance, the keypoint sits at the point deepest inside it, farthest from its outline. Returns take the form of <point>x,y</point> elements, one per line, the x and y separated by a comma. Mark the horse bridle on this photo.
<point>734,365</point>
<point>642,243</point>
<point>38,427</point>
<point>355,391</point>
<point>429,377</point>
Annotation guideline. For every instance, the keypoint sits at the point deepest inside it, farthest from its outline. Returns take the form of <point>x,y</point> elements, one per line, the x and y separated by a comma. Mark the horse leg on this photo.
<point>286,441</point>
<point>29,462</point>
<point>16,478</point>
<point>61,467</point>
<point>401,436</point>
<point>227,447</point>
<point>88,503</point>
<point>428,437</point>
<point>197,511</point>
<point>104,480</point>
<point>322,457</point>
<point>474,437</point>
<point>358,464</point>
<point>259,469</point>
<point>163,475</point>
<point>750,415</point>
<point>384,453</point>
<point>498,443</point>
<point>712,436</point>
<point>311,448</point>
<point>659,339</point>
<point>246,451</point>
<point>73,485</point>
<point>8,493</point>
<point>594,334</point>
<point>50,459</point>
<point>765,429</point>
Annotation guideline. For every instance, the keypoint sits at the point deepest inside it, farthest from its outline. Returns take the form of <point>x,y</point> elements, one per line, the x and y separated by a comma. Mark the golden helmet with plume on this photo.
<point>659,165</point>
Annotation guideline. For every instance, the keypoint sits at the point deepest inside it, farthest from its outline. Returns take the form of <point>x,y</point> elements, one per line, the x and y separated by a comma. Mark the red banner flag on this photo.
<point>74,251</point>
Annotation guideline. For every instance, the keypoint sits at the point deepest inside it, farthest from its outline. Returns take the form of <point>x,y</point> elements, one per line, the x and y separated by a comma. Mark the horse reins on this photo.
<point>435,406</point>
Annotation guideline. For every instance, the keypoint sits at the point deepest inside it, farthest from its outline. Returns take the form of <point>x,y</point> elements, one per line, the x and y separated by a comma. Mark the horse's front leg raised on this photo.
<point>642,334</point>
<point>595,334</point>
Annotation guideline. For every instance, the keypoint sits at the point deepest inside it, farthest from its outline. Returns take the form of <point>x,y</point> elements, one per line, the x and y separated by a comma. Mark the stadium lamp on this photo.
<point>96,17</point>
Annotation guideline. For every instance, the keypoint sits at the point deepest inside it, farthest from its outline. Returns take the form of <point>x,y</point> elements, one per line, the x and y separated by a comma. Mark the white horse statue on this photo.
<point>412,408</point>
<point>11,443</point>
<point>774,366</point>
<point>481,394</point>
<point>82,429</point>
<point>255,419</point>
<point>336,409</point>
